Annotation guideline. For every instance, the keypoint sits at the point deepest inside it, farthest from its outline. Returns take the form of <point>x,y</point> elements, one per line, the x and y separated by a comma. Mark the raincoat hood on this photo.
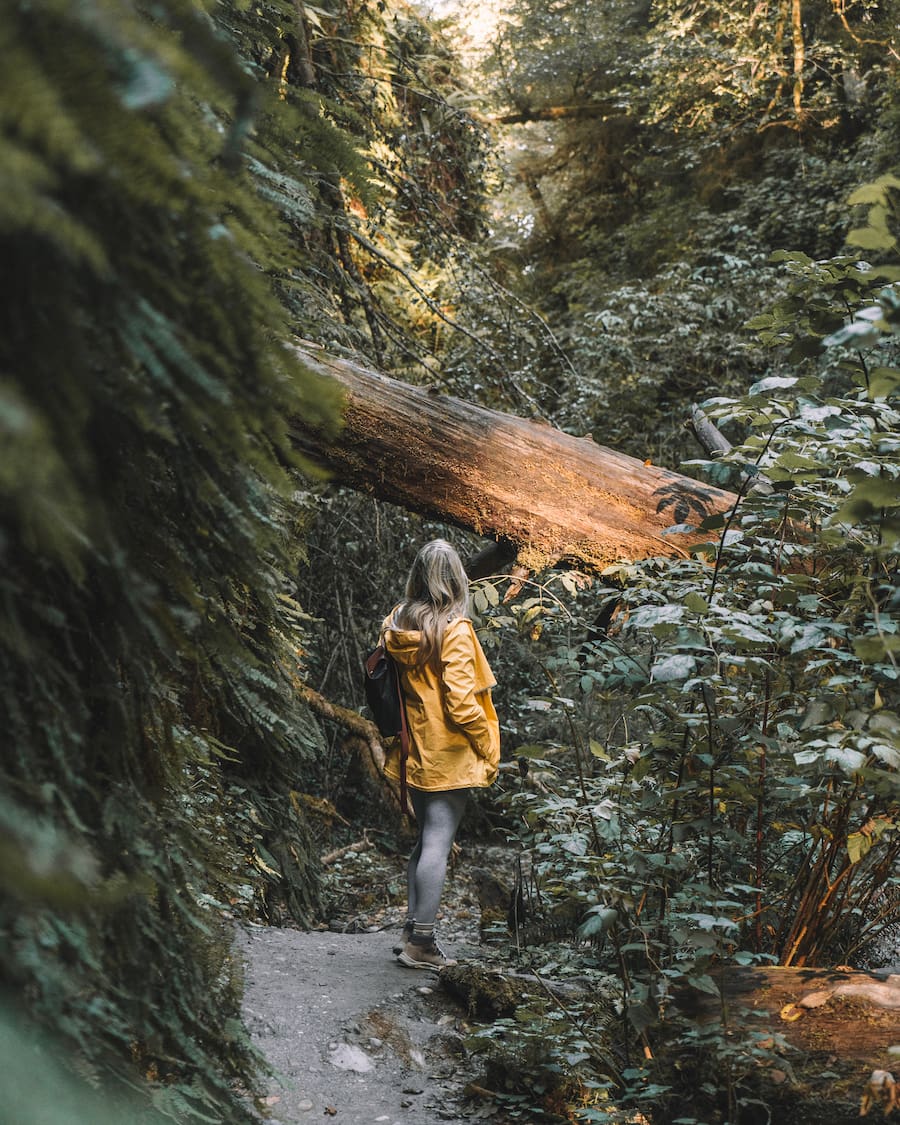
<point>403,644</point>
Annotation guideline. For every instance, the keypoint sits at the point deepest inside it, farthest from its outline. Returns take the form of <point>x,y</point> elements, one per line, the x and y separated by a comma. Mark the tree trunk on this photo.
<point>555,496</point>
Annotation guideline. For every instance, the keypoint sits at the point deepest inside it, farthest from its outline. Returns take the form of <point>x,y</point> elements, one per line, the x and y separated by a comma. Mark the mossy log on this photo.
<point>492,993</point>
<point>555,496</point>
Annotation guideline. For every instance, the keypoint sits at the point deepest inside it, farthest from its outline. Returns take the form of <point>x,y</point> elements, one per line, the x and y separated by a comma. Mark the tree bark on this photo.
<point>799,55</point>
<point>555,496</point>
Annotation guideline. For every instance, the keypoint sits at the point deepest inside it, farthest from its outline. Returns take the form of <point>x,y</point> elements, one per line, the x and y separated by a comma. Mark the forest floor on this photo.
<point>352,1035</point>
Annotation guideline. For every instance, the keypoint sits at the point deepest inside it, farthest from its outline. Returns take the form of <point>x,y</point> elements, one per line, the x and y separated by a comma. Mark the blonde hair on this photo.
<point>437,591</point>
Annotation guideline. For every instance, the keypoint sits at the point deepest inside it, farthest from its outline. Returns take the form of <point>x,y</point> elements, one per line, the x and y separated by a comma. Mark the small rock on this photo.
<point>374,1042</point>
<point>405,1104</point>
<point>346,1056</point>
<point>425,990</point>
<point>413,1089</point>
<point>304,1106</point>
<point>815,999</point>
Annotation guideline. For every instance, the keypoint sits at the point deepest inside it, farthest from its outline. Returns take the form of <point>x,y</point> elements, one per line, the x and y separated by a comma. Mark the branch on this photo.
<point>553,113</point>
<point>361,729</point>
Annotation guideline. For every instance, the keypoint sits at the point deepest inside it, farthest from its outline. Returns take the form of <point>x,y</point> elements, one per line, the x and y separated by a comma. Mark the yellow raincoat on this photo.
<point>454,735</point>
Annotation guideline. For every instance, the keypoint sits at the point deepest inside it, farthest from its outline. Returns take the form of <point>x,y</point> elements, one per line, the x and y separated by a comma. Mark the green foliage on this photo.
<point>713,775</point>
<point>376,165</point>
<point>148,646</point>
<point>655,160</point>
<point>183,189</point>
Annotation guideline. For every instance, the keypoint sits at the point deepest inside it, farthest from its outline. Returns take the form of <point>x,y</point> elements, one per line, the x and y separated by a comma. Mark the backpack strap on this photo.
<point>404,751</point>
<point>404,731</point>
<point>404,736</point>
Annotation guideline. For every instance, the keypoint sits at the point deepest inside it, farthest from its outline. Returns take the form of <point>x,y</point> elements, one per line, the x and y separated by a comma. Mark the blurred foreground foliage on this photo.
<point>175,185</point>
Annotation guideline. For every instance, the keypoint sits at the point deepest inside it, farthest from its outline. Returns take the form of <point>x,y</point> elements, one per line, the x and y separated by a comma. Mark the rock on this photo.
<point>347,1056</point>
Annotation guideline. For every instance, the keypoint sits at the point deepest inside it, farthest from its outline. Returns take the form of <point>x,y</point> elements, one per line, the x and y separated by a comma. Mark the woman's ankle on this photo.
<point>422,933</point>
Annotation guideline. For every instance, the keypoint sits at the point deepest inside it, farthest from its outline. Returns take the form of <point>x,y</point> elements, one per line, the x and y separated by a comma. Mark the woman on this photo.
<point>454,736</point>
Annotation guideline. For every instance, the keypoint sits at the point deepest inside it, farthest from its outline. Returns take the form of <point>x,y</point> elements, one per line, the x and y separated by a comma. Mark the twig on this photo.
<point>359,846</point>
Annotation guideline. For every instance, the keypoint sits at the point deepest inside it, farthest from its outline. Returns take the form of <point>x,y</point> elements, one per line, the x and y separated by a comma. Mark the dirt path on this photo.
<point>353,1036</point>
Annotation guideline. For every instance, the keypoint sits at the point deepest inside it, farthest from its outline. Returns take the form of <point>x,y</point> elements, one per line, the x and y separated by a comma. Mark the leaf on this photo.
<point>874,192</point>
<point>648,616</point>
<point>860,332</point>
<point>696,603</point>
<point>877,491</point>
<point>793,460</point>
<point>890,755</point>
<point>858,845</point>
<point>677,667</point>
<point>598,923</point>
<point>876,646</point>
<point>796,256</point>
<point>533,751</point>
<point>844,756</point>
<point>741,632</point>
<point>773,383</point>
<point>704,984</point>
<point>871,238</point>
<point>885,723</point>
<point>810,635</point>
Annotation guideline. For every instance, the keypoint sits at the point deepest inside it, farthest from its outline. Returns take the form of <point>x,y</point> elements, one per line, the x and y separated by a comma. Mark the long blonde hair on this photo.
<point>437,591</point>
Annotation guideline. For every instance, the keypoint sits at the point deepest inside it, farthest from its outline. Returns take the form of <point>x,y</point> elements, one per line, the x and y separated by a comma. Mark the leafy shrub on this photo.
<point>735,798</point>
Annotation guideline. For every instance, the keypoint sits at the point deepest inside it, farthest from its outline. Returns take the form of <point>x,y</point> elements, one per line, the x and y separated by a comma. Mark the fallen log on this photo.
<point>556,497</point>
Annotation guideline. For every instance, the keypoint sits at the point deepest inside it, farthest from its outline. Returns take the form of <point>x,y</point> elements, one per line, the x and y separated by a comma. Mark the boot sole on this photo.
<point>411,963</point>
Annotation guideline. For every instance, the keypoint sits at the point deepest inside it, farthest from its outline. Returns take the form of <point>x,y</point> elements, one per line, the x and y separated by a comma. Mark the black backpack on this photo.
<point>384,697</point>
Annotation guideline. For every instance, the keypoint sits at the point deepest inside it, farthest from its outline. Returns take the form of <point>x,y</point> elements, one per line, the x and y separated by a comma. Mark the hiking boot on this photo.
<point>429,956</point>
<point>405,935</point>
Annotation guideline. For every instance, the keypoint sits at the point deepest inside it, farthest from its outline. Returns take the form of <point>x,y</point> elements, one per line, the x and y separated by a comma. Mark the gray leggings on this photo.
<point>438,816</point>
